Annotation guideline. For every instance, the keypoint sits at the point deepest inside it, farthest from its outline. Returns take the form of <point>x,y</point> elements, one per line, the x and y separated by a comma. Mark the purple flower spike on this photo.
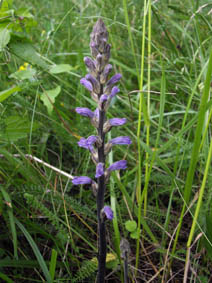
<point>108,212</point>
<point>121,164</point>
<point>82,180</point>
<point>114,91</point>
<point>117,121</point>
<point>84,112</point>
<point>121,140</point>
<point>99,170</point>
<point>86,84</point>
<point>116,78</point>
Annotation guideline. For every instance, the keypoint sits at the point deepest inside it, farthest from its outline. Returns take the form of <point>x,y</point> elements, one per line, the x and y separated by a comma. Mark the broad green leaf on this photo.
<point>48,98</point>
<point>5,5</point>
<point>6,93</point>
<point>16,127</point>
<point>23,12</point>
<point>61,68</point>
<point>27,52</point>
<point>130,225</point>
<point>4,38</point>
<point>24,74</point>
<point>135,234</point>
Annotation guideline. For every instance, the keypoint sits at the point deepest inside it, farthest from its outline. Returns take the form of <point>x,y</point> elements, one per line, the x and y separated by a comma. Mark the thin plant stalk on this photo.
<point>147,165</point>
<point>138,188</point>
<point>131,38</point>
<point>173,185</point>
<point>100,203</point>
<point>196,147</point>
<point>197,210</point>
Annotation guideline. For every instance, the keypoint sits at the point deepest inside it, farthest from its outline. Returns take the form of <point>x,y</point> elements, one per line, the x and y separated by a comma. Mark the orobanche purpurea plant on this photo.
<point>102,90</point>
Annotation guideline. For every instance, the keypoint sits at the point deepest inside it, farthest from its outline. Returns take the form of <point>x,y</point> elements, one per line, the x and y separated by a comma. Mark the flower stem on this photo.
<point>102,246</point>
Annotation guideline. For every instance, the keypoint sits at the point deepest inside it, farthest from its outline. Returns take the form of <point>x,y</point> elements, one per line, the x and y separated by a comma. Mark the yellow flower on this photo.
<point>23,67</point>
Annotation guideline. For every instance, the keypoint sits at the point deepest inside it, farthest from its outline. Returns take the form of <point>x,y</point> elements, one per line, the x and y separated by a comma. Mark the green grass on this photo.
<point>48,226</point>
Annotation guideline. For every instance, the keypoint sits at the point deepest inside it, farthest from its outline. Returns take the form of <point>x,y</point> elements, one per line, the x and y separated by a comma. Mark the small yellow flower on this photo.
<point>21,68</point>
<point>24,67</point>
<point>110,257</point>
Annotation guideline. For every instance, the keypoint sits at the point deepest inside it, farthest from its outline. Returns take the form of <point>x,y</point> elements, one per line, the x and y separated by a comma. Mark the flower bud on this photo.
<point>94,49</point>
<point>105,73</point>
<point>86,84</point>
<point>116,78</point>
<point>94,82</point>
<point>99,170</point>
<point>91,66</point>
<point>107,148</point>
<point>82,180</point>
<point>99,63</point>
<point>123,140</point>
<point>107,211</point>
<point>113,122</point>
<point>94,187</point>
<point>121,164</point>
<point>94,156</point>
<point>102,102</point>
<point>84,112</point>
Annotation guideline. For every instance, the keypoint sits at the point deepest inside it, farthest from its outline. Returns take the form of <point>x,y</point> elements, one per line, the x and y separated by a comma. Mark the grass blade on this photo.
<point>196,147</point>
<point>53,263</point>
<point>11,219</point>
<point>36,251</point>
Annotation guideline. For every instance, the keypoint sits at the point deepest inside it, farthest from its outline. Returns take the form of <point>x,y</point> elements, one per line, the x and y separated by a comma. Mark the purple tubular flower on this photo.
<point>94,82</point>
<point>83,143</point>
<point>99,170</point>
<point>117,121</point>
<point>116,78</point>
<point>86,84</point>
<point>121,164</point>
<point>103,97</point>
<point>87,143</point>
<point>89,63</point>
<point>108,212</point>
<point>91,140</point>
<point>82,180</point>
<point>96,113</point>
<point>121,140</point>
<point>114,91</point>
<point>84,112</point>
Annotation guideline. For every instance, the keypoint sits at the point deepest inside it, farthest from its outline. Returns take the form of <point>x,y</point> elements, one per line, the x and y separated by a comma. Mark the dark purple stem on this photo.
<point>102,245</point>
